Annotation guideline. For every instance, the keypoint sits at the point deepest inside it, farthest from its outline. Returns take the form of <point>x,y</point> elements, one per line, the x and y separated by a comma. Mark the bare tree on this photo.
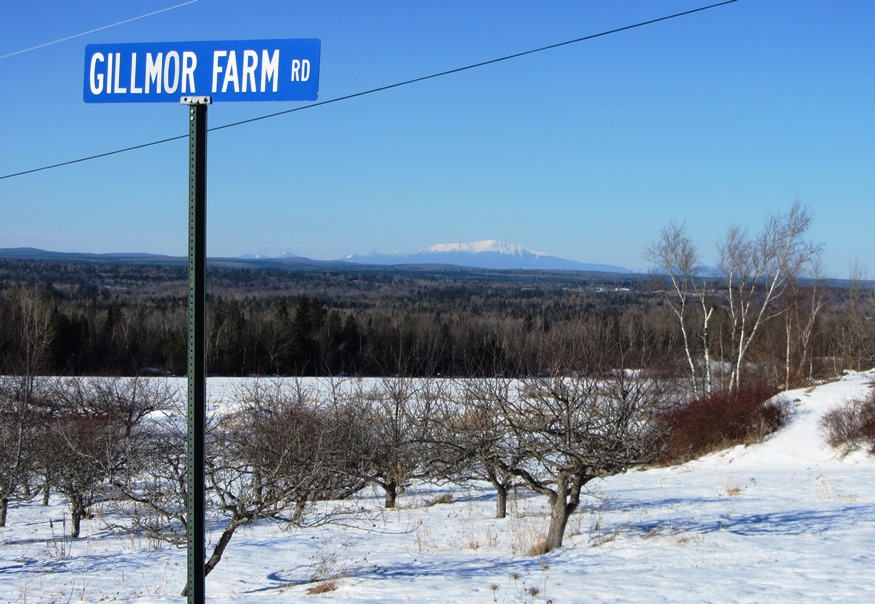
<point>800,323</point>
<point>129,399</point>
<point>577,429</point>
<point>153,484</point>
<point>757,270</point>
<point>85,452</point>
<point>277,453</point>
<point>594,422</point>
<point>21,431</point>
<point>271,453</point>
<point>854,337</point>
<point>475,442</point>
<point>30,313</point>
<point>676,256</point>
<point>399,415</point>
<point>91,437</point>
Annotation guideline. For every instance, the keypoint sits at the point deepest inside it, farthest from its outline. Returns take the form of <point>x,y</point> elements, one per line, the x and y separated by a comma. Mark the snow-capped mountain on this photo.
<point>268,257</point>
<point>481,247</point>
<point>488,254</point>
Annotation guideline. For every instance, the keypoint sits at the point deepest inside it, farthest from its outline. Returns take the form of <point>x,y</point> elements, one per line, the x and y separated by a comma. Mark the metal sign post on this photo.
<point>197,386</point>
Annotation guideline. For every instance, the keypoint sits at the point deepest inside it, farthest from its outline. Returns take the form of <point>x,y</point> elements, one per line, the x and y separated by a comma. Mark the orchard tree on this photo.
<point>21,431</point>
<point>83,452</point>
<point>399,416</point>
<point>577,429</point>
<point>130,400</point>
<point>279,451</point>
<point>591,424</point>
<point>93,436</point>
<point>153,484</point>
<point>475,440</point>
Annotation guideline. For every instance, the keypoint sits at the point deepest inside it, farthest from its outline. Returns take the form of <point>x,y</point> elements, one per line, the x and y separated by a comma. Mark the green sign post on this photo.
<point>197,364</point>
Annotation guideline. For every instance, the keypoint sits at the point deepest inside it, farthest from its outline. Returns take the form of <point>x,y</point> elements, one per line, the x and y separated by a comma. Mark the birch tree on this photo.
<point>676,256</point>
<point>757,270</point>
<point>805,304</point>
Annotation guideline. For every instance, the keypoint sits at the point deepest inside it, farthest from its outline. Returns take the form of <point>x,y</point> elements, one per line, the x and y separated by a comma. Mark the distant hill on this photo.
<point>128,258</point>
<point>31,253</point>
<point>488,254</point>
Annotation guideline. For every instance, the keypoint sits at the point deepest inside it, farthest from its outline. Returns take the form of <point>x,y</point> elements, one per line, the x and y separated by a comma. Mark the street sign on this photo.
<point>236,70</point>
<point>197,74</point>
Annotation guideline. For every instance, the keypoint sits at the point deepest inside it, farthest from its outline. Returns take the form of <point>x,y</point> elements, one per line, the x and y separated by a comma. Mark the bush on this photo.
<point>720,420</point>
<point>851,425</point>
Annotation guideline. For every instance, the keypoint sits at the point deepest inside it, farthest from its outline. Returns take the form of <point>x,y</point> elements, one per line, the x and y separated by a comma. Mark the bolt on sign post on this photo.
<point>197,74</point>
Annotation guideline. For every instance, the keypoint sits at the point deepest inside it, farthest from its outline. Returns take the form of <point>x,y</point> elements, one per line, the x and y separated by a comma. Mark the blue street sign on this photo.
<point>237,70</point>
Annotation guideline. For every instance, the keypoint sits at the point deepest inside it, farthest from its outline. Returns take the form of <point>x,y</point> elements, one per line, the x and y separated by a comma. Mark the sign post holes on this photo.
<point>195,74</point>
<point>197,395</point>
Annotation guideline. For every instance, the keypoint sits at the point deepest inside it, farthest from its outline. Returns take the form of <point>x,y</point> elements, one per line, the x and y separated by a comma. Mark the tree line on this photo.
<point>814,329</point>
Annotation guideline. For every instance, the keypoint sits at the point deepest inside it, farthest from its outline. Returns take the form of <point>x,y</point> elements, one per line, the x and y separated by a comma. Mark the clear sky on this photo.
<point>715,119</point>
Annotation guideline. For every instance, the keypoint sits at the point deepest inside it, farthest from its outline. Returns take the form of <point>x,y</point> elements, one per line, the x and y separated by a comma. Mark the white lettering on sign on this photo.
<point>134,88</point>
<point>153,71</point>
<point>189,64</point>
<point>243,78</point>
<point>170,72</point>
<point>231,73</point>
<point>171,77</point>
<point>250,62</point>
<point>300,70</point>
<point>95,79</point>
<point>217,69</point>
<point>116,72</point>
<point>270,69</point>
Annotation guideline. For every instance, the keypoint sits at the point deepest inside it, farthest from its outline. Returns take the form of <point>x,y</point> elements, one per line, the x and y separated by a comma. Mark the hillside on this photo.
<point>787,520</point>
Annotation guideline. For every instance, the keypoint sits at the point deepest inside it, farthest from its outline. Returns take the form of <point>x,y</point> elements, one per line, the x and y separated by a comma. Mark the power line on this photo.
<point>379,89</point>
<point>91,31</point>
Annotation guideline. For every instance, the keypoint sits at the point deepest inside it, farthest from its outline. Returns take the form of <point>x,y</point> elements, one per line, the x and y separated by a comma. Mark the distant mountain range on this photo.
<point>488,254</point>
<point>32,253</point>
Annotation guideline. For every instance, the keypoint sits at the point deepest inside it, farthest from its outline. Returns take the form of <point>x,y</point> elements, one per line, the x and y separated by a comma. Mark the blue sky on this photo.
<point>714,119</point>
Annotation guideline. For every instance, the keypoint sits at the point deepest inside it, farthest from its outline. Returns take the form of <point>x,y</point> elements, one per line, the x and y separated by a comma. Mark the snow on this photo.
<point>788,520</point>
<point>487,246</point>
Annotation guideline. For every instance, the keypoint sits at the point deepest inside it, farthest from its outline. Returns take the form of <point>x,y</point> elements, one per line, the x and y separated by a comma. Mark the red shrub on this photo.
<point>720,420</point>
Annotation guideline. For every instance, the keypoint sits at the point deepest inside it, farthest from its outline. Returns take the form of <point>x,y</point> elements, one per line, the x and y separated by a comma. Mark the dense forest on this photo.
<point>129,317</point>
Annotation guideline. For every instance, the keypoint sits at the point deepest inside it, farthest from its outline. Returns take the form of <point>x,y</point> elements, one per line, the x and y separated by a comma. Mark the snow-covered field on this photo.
<point>788,520</point>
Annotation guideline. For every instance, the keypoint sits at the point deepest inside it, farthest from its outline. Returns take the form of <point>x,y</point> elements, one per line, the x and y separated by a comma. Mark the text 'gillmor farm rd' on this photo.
<point>238,70</point>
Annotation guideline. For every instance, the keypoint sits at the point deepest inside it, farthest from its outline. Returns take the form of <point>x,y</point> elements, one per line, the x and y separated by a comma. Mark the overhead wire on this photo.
<point>91,31</point>
<point>378,89</point>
